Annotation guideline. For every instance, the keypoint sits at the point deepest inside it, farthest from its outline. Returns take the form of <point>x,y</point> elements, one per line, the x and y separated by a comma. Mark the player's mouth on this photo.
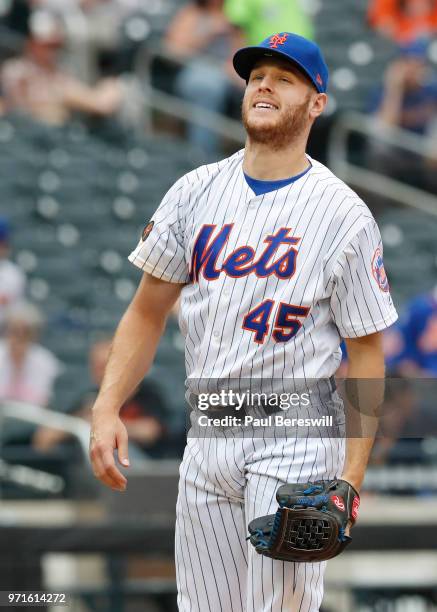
<point>264,106</point>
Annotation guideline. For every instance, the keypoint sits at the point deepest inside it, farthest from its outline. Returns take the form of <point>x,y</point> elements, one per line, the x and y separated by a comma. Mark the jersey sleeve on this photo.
<point>160,250</point>
<point>360,300</point>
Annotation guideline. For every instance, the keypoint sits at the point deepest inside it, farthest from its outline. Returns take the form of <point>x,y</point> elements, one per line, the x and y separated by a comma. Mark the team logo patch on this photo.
<point>378,271</point>
<point>355,506</point>
<point>338,501</point>
<point>278,39</point>
<point>147,230</point>
<point>319,80</point>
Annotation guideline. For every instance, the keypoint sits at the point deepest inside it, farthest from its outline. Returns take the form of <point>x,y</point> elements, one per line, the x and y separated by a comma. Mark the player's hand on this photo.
<point>107,434</point>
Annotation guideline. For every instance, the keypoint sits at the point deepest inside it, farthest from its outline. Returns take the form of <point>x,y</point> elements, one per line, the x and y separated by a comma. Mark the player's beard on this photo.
<point>288,127</point>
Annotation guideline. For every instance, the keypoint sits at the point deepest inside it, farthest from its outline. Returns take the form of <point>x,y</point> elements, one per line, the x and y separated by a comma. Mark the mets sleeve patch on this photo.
<point>378,271</point>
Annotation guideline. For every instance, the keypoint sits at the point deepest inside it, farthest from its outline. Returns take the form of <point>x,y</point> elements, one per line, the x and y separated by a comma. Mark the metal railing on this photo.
<point>375,182</point>
<point>30,477</point>
<point>171,105</point>
<point>36,415</point>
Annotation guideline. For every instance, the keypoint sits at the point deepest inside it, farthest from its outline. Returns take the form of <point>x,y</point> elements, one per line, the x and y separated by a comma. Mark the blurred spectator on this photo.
<point>414,347</point>
<point>36,85</point>
<point>27,369</point>
<point>261,18</point>
<point>93,32</point>
<point>12,279</point>
<point>144,414</point>
<point>408,97</point>
<point>408,100</point>
<point>404,20</point>
<point>201,35</point>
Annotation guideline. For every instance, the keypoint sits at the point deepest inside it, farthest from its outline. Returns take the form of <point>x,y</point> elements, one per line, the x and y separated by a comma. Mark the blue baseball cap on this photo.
<point>303,53</point>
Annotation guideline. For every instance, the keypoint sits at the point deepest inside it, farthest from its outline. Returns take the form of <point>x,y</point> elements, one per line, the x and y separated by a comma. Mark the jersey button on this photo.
<point>216,334</point>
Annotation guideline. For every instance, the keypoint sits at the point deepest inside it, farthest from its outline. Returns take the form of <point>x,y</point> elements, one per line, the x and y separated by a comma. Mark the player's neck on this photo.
<point>263,163</point>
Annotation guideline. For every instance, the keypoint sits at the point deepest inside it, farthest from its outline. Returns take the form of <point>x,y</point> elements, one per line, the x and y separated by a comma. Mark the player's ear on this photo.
<point>318,105</point>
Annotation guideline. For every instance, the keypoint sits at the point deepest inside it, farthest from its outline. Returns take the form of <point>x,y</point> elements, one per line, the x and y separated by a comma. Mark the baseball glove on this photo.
<point>310,523</point>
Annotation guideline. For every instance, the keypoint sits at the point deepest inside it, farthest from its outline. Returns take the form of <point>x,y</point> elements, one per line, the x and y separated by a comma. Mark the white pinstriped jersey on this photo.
<point>272,282</point>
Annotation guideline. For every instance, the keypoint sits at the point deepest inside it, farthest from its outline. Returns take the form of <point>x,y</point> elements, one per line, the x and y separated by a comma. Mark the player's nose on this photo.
<point>266,83</point>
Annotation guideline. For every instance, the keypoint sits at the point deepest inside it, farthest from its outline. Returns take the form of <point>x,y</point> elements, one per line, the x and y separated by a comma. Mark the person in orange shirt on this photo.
<point>404,20</point>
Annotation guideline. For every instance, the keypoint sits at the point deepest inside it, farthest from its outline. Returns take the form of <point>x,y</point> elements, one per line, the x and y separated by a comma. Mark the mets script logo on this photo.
<point>378,271</point>
<point>278,39</point>
<point>242,261</point>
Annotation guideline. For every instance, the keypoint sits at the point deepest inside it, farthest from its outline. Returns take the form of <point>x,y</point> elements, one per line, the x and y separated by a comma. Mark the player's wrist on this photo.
<point>105,407</point>
<point>355,480</point>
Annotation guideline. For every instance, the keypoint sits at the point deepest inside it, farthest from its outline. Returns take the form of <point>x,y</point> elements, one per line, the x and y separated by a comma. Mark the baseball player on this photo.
<point>275,261</point>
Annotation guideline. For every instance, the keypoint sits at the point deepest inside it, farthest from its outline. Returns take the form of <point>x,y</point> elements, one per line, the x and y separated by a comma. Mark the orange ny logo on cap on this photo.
<point>277,39</point>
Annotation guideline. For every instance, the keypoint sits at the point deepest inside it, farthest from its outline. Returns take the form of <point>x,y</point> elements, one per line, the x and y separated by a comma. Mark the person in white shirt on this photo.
<point>27,369</point>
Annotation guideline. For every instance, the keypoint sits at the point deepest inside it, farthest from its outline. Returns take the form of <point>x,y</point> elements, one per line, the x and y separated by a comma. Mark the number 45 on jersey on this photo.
<point>287,322</point>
